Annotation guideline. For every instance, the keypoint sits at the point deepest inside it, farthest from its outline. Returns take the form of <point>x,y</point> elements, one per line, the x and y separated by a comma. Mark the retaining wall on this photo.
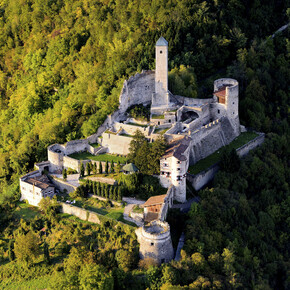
<point>63,185</point>
<point>81,213</point>
<point>245,149</point>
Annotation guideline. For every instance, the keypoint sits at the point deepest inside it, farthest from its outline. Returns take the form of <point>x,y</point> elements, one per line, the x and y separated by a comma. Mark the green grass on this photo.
<point>161,131</point>
<point>138,209</point>
<point>26,211</point>
<point>109,132</point>
<point>157,116</point>
<point>95,145</point>
<point>210,160</point>
<point>138,125</point>
<point>101,157</point>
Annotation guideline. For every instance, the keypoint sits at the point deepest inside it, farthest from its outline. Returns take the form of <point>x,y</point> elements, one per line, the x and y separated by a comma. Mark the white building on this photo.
<point>34,187</point>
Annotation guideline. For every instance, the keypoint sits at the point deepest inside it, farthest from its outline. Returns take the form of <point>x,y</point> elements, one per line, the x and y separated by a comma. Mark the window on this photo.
<point>178,178</point>
<point>218,111</point>
<point>158,123</point>
<point>178,169</point>
<point>152,244</point>
<point>233,113</point>
<point>161,51</point>
<point>233,103</point>
<point>178,162</point>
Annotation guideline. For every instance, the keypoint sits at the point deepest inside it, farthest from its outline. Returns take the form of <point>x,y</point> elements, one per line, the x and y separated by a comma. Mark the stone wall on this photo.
<point>116,144</point>
<point>244,150</point>
<point>130,129</point>
<point>137,90</point>
<point>201,179</point>
<point>81,213</point>
<point>72,163</point>
<point>63,185</point>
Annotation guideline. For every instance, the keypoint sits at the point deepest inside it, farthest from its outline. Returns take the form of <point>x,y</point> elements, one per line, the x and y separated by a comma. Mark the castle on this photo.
<point>194,128</point>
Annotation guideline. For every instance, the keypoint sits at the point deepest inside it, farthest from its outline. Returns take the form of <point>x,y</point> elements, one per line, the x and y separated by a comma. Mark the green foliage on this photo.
<point>146,155</point>
<point>139,112</point>
<point>64,174</point>
<point>82,170</point>
<point>182,82</point>
<point>26,247</point>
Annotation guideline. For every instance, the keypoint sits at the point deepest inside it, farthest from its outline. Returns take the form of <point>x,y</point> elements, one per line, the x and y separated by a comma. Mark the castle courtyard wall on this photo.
<point>117,144</point>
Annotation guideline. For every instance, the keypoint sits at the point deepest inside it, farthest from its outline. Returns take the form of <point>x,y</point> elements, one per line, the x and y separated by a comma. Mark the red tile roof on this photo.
<point>158,199</point>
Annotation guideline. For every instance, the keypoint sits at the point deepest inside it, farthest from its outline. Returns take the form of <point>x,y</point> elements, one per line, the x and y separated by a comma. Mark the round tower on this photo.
<point>161,96</point>
<point>155,242</point>
<point>227,92</point>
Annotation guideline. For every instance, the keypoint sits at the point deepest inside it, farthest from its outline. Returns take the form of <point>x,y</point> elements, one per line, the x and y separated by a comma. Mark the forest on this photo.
<point>62,67</point>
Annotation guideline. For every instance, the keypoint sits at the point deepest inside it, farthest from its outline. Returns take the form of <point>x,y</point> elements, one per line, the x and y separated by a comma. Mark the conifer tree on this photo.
<point>115,194</point>
<point>99,192</point>
<point>112,167</point>
<point>46,253</point>
<point>107,167</point>
<point>89,168</point>
<point>82,170</point>
<point>94,168</point>
<point>100,167</point>
<point>119,196</point>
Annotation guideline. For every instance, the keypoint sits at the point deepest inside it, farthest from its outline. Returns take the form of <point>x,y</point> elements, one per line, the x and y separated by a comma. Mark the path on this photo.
<point>179,247</point>
<point>72,179</point>
<point>130,204</point>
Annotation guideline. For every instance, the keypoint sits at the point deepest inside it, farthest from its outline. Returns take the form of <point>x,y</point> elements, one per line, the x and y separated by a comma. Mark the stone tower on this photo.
<point>155,242</point>
<point>227,92</point>
<point>161,95</point>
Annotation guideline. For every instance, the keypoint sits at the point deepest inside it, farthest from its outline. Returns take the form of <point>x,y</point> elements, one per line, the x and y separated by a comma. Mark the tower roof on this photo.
<point>161,42</point>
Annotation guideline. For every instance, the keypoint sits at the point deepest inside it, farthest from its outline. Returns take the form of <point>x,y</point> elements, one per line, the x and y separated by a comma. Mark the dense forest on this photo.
<point>62,67</point>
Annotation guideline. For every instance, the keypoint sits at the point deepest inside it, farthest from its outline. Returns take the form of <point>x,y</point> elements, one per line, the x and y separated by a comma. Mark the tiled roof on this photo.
<point>161,42</point>
<point>131,167</point>
<point>154,200</point>
<point>177,148</point>
<point>41,182</point>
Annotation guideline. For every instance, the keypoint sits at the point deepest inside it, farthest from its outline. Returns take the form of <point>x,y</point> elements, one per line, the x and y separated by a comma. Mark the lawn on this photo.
<point>157,116</point>
<point>161,131</point>
<point>26,211</point>
<point>210,160</point>
<point>103,208</point>
<point>95,145</point>
<point>101,157</point>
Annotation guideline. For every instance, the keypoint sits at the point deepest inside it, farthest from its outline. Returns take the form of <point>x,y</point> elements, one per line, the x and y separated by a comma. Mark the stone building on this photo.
<point>155,242</point>
<point>194,128</point>
<point>34,187</point>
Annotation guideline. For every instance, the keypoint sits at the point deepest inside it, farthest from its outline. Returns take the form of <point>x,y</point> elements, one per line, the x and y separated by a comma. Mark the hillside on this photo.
<point>62,67</point>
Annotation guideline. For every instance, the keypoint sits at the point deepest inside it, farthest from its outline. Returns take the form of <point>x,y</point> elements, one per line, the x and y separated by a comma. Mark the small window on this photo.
<point>152,244</point>
<point>161,51</point>
<point>218,111</point>
<point>158,123</point>
<point>178,162</point>
<point>169,121</point>
<point>178,169</point>
<point>233,103</point>
<point>233,113</point>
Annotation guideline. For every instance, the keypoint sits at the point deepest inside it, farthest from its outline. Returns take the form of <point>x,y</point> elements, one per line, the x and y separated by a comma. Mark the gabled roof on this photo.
<point>161,42</point>
<point>177,148</point>
<point>153,200</point>
<point>130,167</point>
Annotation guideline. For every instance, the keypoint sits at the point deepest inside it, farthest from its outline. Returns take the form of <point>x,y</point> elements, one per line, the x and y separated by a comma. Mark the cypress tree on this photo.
<point>112,167</point>
<point>115,194</point>
<point>107,167</point>
<point>100,167</point>
<point>111,192</point>
<point>82,170</point>
<point>46,253</point>
<point>89,168</point>
<point>119,196</point>
<point>106,191</point>
<point>99,189</point>
<point>94,168</point>
<point>102,190</point>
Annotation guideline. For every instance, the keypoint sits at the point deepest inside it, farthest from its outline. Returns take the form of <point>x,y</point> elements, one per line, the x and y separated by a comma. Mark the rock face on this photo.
<point>155,242</point>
